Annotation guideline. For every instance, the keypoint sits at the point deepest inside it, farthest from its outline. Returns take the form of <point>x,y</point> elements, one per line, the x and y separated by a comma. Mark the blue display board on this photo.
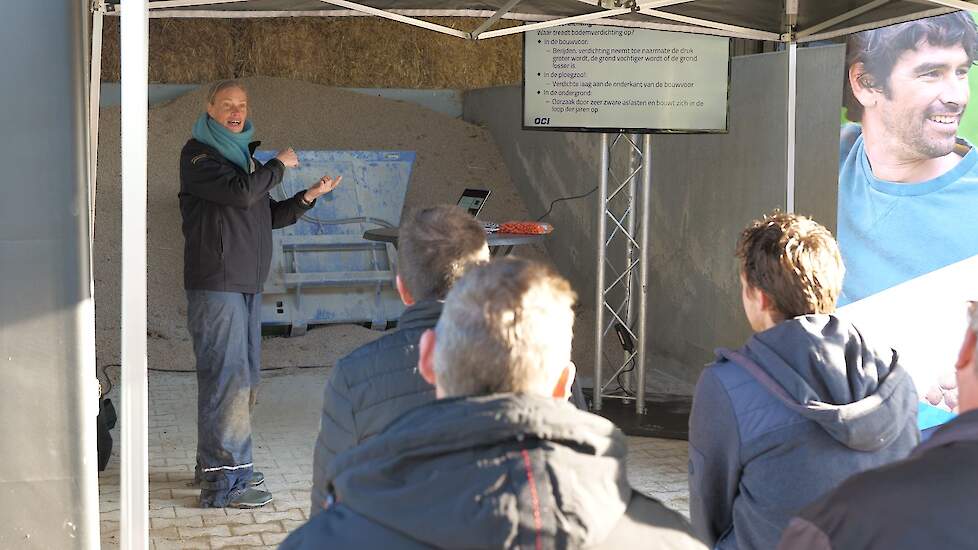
<point>322,270</point>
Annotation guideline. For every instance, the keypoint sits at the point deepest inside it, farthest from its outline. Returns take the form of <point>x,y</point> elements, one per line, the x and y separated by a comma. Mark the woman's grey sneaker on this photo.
<point>250,498</point>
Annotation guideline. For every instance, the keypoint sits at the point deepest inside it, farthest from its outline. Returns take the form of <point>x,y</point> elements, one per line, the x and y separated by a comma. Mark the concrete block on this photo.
<point>212,531</point>
<point>293,514</point>
<point>246,540</point>
<point>269,527</point>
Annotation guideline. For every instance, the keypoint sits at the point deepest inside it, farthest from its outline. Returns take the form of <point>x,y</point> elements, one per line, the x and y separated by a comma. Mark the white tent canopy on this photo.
<point>789,21</point>
<point>776,20</point>
<point>786,21</point>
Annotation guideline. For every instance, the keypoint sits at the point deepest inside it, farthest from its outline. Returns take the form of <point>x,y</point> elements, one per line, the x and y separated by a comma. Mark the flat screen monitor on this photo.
<point>599,78</point>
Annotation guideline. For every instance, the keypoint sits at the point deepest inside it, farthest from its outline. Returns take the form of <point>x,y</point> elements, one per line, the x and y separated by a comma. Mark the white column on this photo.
<point>134,502</point>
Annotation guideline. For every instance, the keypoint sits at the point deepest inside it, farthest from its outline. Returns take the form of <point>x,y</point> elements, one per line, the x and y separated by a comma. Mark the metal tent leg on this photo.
<point>599,276</point>
<point>790,138</point>
<point>634,164</point>
<point>134,479</point>
<point>644,271</point>
<point>616,296</point>
<point>95,90</point>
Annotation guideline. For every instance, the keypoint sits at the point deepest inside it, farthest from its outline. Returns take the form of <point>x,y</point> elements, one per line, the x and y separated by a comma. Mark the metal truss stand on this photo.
<point>622,268</point>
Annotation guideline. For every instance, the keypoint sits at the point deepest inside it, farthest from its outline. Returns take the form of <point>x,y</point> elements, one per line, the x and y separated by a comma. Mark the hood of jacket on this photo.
<point>471,469</point>
<point>822,367</point>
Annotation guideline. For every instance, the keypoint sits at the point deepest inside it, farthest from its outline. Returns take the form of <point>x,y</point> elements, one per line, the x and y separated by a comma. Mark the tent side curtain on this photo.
<point>725,17</point>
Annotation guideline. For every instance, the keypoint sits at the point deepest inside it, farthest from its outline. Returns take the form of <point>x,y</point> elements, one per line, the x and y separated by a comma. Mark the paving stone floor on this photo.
<point>285,424</point>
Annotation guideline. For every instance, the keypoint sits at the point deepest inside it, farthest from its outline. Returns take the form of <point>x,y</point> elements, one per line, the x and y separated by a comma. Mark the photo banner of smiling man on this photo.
<point>908,192</point>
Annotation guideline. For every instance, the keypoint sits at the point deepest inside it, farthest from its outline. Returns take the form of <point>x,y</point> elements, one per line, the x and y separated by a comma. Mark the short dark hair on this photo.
<point>879,49</point>
<point>794,260</point>
<point>435,245</point>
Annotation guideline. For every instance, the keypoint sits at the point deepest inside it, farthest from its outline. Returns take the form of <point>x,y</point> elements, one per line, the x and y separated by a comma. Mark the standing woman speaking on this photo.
<point>228,217</point>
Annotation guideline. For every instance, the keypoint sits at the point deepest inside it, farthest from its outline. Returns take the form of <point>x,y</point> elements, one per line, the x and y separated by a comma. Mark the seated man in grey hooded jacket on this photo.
<point>378,382</point>
<point>500,459</point>
<point>806,403</point>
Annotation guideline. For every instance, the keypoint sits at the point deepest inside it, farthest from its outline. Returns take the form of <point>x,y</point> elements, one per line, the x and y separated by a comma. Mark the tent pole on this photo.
<point>829,23</point>
<point>957,4</point>
<point>636,161</point>
<point>599,274</point>
<point>792,111</point>
<point>651,4</point>
<point>594,16</point>
<point>94,90</point>
<point>134,482</point>
<point>791,26</point>
<point>583,18</point>
<point>555,23</point>
<point>874,25</point>
<point>643,295</point>
<point>397,17</point>
<point>739,31</point>
<point>495,17</point>
<point>160,4</point>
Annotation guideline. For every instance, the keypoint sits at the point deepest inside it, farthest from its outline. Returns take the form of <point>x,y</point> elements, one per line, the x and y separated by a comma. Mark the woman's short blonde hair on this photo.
<point>222,85</point>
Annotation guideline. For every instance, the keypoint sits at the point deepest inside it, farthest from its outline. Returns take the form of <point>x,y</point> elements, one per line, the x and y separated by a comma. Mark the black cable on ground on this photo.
<point>555,201</point>
<point>157,369</point>
<point>108,379</point>
<point>621,386</point>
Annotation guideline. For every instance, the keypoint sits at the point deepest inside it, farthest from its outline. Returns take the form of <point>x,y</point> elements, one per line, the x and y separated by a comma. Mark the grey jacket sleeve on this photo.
<point>337,433</point>
<point>804,535</point>
<point>714,459</point>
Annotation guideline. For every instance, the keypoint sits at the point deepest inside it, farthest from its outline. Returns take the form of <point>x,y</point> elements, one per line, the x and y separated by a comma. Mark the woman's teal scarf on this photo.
<point>232,146</point>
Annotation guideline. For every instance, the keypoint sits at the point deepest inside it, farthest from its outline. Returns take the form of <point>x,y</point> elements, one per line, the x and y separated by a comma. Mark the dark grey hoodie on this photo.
<point>503,471</point>
<point>781,421</point>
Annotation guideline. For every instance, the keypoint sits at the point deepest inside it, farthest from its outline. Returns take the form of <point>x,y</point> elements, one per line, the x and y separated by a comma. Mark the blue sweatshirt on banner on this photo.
<point>891,232</point>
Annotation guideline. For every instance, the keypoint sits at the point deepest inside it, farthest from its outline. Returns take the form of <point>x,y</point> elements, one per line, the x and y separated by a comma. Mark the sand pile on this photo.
<point>451,155</point>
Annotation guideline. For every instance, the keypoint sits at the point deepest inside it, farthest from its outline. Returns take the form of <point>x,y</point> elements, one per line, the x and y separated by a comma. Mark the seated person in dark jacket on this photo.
<point>806,403</point>
<point>501,459</point>
<point>925,501</point>
<point>378,382</point>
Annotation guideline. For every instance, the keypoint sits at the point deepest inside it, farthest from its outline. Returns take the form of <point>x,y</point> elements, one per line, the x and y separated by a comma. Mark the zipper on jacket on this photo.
<point>258,279</point>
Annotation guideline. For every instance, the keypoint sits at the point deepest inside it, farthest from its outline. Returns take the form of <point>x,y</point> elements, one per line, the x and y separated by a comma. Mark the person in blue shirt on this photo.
<point>908,185</point>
